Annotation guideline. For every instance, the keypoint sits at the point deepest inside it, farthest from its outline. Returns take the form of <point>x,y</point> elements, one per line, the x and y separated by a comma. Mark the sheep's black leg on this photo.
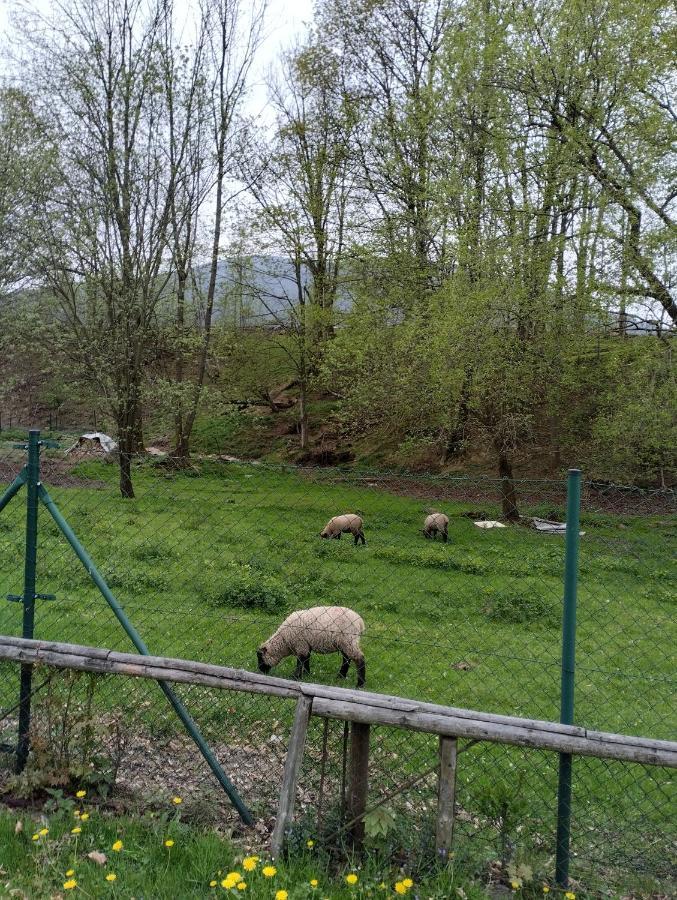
<point>345,665</point>
<point>361,671</point>
<point>302,665</point>
<point>360,537</point>
<point>444,536</point>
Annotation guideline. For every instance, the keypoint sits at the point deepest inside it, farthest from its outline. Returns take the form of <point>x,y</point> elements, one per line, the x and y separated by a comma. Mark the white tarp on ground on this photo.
<point>94,440</point>
<point>490,525</point>
<point>551,527</point>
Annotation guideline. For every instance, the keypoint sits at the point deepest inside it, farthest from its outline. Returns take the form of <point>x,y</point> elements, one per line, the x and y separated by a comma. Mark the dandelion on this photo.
<point>70,884</point>
<point>84,817</point>
<point>80,794</point>
<point>36,837</point>
<point>570,895</point>
<point>546,889</point>
<point>117,846</point>
<point>241,885</point>
<point>169,843</point>
<point>352,878</point>
<point>70,873</point>
<point>212,883</point>
<point>400,888</point>
<point>515,885</point>
<point>43,832</point>
<point>111,876</point>
<point>76,830</point>
<point>228,883</point>
<point>314,882</point>
<point>310,844</point>
<point>281,895</point>
<point>408,883</point>
<point>176,800</point>
<point>249,863</point>
<point>269,871</point>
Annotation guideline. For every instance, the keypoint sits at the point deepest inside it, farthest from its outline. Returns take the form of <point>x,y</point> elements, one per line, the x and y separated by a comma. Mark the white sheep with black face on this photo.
<point>436,523</point>
<point>348,523</point>
<point>321,629</point>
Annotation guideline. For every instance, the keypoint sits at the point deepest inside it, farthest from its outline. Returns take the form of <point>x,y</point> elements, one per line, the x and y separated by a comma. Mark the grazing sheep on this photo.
<point>435,524</point>
<point>343,524</point>
<point>322,629</point>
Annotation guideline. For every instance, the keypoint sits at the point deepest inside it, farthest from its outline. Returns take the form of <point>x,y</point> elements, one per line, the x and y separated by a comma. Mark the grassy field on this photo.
<point>208,562</point>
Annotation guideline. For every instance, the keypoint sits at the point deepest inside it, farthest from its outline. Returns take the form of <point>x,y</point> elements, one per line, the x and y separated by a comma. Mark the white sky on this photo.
<point>285,20</point>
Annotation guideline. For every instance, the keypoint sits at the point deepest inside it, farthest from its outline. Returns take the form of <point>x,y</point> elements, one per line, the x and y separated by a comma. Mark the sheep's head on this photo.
<point>265,662</point>
<point>324,533</point>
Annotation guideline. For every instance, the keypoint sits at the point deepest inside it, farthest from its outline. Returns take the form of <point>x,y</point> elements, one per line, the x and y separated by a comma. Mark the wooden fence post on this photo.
<point>359,780</point>
<point>446,793</point>
<point>292,767</point>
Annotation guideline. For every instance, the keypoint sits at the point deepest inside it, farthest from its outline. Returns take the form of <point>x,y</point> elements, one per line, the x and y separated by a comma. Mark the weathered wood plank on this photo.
<point>350,705</point>
<point>358,779</point>
<point>292,767</point>
<point>446,797</point>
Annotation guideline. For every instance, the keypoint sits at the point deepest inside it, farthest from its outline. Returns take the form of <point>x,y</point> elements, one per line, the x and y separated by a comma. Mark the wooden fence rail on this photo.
<point>362,709</point>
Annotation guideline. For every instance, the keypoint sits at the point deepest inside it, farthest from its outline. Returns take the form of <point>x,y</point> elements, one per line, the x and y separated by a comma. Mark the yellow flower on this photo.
<point>81,794</point>
<point>228,882</point>
<point>570,896</point>
<point>241,885</point>
<point>70,884</point>
<point>169,843</point>
<point>84,817</point>
<point>269,871</point>
<point>212,883</point>
<point>117,846</point>
<point>36,837</point>
<point>408,883</point>
<point>176,800</point>
<point>43,832</point>
<point>234,876</point>
<point>314,882</point>
<point>249,863</point>
<point>76,830</point>
<point>515,885</point>
<point>352,878</point>
<point>400,888</point>
<point>310,844</point>
<point>281,895</point>
<point>70,872</point>
<point>111,876</point>
<point>546,889</point>
<point>77,813</point>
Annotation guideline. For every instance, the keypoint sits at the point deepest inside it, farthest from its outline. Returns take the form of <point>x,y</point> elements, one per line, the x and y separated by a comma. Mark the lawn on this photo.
<point>208,562</point>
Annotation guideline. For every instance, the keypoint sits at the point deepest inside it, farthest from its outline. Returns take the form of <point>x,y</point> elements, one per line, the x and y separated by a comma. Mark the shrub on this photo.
<point>521,606</point>
<point>247,586</point>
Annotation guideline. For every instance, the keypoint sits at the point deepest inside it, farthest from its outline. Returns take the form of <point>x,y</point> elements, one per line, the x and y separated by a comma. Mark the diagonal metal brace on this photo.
<point>14,487</point>
<point>138,642</point>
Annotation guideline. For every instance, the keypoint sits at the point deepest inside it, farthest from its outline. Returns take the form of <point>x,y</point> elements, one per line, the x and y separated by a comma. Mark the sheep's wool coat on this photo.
<point>321,629</point>
<point>436,520</point>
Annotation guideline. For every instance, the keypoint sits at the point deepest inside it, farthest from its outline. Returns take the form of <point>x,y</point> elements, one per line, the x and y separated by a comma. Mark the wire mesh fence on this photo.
<point>209,560</point>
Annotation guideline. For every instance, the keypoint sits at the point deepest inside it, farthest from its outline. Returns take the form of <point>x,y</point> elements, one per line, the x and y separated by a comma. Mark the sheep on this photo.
<point>436,523</point>
<point>322,629</point>
<point>343,524</point>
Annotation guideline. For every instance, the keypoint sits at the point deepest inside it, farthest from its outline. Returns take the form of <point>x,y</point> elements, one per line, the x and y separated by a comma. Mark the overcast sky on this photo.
<point>285,20</point>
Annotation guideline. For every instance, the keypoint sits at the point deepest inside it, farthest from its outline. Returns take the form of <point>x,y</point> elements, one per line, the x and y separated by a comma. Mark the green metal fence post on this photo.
<point>28,598</point>
<point>138,642</point>
<point>568,672</point>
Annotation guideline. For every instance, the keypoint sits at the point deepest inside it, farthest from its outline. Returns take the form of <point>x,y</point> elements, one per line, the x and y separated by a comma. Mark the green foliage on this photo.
<point>249,587</point>
<point>525,605</point>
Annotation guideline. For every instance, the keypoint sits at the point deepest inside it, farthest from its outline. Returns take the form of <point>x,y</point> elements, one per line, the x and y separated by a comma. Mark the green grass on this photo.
<point>208,562</point>
<point>146,867</point>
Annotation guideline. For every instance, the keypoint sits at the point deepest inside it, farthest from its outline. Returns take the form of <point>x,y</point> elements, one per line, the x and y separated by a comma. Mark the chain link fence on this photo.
<point>208,560</point>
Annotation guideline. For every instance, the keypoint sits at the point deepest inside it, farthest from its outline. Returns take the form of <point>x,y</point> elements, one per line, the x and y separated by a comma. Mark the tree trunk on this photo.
<point>303,416</point>
<point>508,492</point>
